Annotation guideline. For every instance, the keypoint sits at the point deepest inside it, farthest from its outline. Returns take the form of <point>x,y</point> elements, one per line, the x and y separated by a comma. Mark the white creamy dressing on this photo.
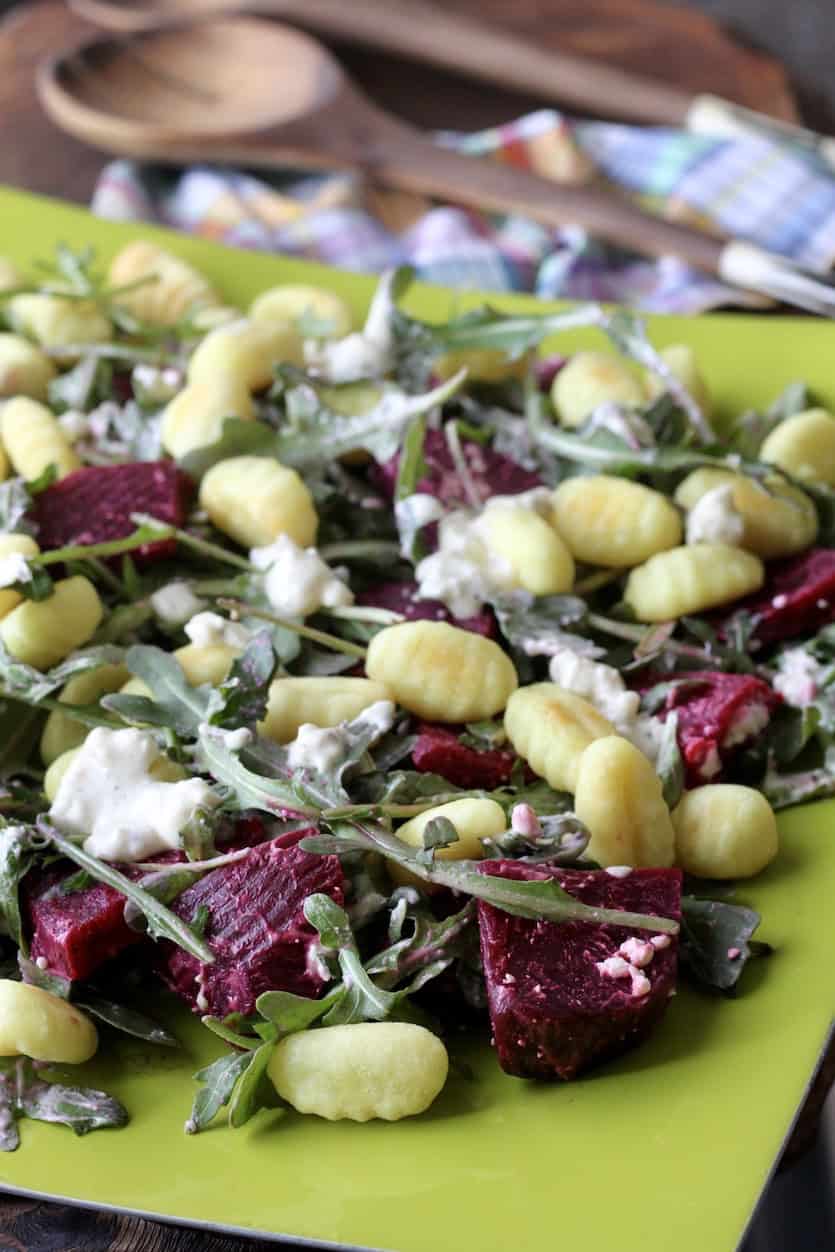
<point>175,603</point>
<point>234,740</point>
<point>297,581</point>
<point>109,795</point>
<point>363,354</point>
<point>411,514</point>
<point>210,630</point>
<point>321,748</point>
<point>752,720</point>
<point>14,568</point>
<point>714,519</point>
<point>798,677</point>
<point>74,425</point>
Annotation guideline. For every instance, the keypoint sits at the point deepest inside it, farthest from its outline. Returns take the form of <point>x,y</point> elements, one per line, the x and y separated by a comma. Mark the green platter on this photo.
<point>667,1148</point>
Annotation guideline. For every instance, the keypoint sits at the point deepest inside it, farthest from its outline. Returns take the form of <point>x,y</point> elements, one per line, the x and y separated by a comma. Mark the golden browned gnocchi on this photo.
<point>62,733</point>
<point>551,728</point>
<point>611,521</point>
<point>293,302</point>
<point>14,545</point>
<point>42,632</point>
<point>777,519</point>
<point>33,439</point>
<point>441,672</point>
<point>245,353</point>
<point>255,499</point>
<point>195,417</point>
<point>40,1025</point>
<point>539,560</point>
<point>724,831</point>
<point>57,322</point>
<point>804,446</point>
<point>619,798</point>
<point>319,700</point>
<point>691,579</point>
<point>590,379</point>
<point>24,369</point>
<point>174,289</point>
<point>365,1070</point>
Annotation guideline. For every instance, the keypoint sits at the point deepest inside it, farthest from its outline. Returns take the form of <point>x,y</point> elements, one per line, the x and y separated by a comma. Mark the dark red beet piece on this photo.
<point>546,369</point>
<point>553,1013</point>
<point>95,504</point>
<point>798,597</point>
<point>438,750</point>
<point>492,473</point>
<point>712,711</point>
<point>256,929</point>
<point>400,598</point>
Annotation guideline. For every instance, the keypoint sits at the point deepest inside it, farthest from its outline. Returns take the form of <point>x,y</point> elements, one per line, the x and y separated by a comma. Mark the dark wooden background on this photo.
<point>775,55</point>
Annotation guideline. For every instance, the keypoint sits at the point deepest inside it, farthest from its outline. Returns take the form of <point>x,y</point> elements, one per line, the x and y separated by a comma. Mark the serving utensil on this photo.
<point>259,93</point>
<point>426,32</point>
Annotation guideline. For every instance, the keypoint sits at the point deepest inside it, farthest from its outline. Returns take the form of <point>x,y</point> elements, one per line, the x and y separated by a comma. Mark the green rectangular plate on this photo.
<point>668,1148</point>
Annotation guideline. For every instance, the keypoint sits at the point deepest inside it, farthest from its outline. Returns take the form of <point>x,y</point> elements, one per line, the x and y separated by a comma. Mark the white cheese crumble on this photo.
<point>632,957</point>
<point>798,677</point>
<point>618,871</point>
<point>234,740</point>
<point>524,821</point>
<point>637,952</point>
<point>74,425</point>
<point>176,603</point>
<point>713,519</point>
<point>110,795</point>
<point>210,630</point>
<point>660,941</point>
<point>711,765</point>
<point>368,353</point>
<point>601,685</point>
<point>614,967</point>
<point>14,568</point>
<point>749,723</point>
<point>297,581</point>
<point>321,748</point>
<point>411,515</point>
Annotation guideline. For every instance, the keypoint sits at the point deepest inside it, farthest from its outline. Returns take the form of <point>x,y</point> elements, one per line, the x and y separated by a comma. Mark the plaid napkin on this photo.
<point>753,188</point>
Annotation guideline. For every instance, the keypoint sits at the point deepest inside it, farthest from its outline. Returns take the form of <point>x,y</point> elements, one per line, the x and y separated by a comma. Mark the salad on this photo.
<point>361,686</point>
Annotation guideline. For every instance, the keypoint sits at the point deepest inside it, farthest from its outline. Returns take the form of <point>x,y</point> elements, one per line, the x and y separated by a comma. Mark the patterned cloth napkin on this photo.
<point>753,188</point>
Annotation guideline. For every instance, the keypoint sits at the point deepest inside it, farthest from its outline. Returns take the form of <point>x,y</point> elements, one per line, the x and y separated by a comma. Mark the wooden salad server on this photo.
<point>427,32</point>
<point>257,93</point>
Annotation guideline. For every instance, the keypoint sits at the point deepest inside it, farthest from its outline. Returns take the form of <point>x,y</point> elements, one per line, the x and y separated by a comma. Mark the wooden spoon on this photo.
<point>258,93</point>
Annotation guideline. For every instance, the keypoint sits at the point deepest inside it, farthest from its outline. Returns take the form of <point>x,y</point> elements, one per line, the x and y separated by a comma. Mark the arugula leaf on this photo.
<point>412,466</point>
<point>16,855</point>
<point>562,840</point>
<point>31,973</point>
<point>245,691</point>
<point>33,686</point>
<point>539,625</point>
<point>217,1084</point>
<point>127,1020</point>
<point>290,1013</point>
<point>711,930</point>
<point>669,765</point>
<point>515,335</point>
<point>82,387</point>
<point>247,1098</point>
<point>237,438</point>
<point>15,503</point>
<point>175,704</point>
<point>25,1094</point>
<point>249,790</point>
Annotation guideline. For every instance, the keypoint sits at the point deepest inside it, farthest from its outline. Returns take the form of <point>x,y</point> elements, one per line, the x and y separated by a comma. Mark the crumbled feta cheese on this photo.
<point>210,630</point>
<point>368,353</point>
<point>614,967</point>
<point>42,962</point>
<point>14,568</point>
<point>711,765</point>
<point>625,424</point>
<point>559,641</point>
<point>176,603</point>
<point>647,734</point>
<point>110,795</point>
<point>798,677</point>
<point>297,581</point>
<point>412,514</point>
<point>600,684</point>
<point>734,953</point>
<point>524,821</point>
<point>637,952</point>
<point>749,723</point>
<point>660,941</point>
<point>321,748</point>
<point>74,425</point>
<point>779,602</point>
<point>234,740</point>
<point>713,519</point>
<point>641,985</point>
<point>618,871</point>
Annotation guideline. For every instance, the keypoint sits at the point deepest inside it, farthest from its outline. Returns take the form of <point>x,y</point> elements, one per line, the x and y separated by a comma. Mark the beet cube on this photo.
<point>553,1012</point>
<point>798,597</point>
<point>438,750</point>
<point>94,504</point>
<point>255,927</point>
<point>492,473</point>
<point>401,598</point>
<point>717,713</point>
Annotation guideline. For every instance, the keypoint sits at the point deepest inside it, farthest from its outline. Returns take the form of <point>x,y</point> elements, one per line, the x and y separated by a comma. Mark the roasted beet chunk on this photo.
<point>402,598</point>
<point>798,597</point>
<point>74,932</point>
<point>438,750</point>
<point>95,504</point>
<point>717,714</point>
<point>553,1010</point>
<point>255,927</point>
<point>492,473</point>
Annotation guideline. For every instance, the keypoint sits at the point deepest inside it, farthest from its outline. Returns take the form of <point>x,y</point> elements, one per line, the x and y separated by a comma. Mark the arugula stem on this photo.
<point>110,547</point>
<point>84,713</point>
<point>107,576</point>
<point>364,613</point>
<point>297,628</point>
<point>593,582</point>
<point>359,548</point>
<point>202,546</point>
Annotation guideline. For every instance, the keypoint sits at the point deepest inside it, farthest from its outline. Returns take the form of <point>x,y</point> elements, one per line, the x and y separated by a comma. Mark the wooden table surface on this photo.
<point>672,43</point>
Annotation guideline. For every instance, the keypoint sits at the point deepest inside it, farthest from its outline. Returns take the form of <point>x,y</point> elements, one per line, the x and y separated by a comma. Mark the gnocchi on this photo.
<point>245,352</point>
<point>254,499</point>
<point>33,439</point>
<point>293,302</point>
<point>724,831</point>
<point>778,519</point>
<point>804,446</point>
<point>614,522</point>
<point>42,632</point>
<point>483,365</point>
<point>537,557</point>
<point>10,275</point>
<point>441,672</point>
<point>551,728</point>
<point>174,289</point>
<point>24,369</point>
<point>361,1071</point>
<point>318,700</point>
<point>62,733</point>
<point>590,379</point>
<point>195,417</point>
<point>38,1024</point>
<point>691,579</point>
<point>14,545</point>
<point>474,819</point>
<point>619,798</point>
<point>58,322</point>
<point>681,360</point>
